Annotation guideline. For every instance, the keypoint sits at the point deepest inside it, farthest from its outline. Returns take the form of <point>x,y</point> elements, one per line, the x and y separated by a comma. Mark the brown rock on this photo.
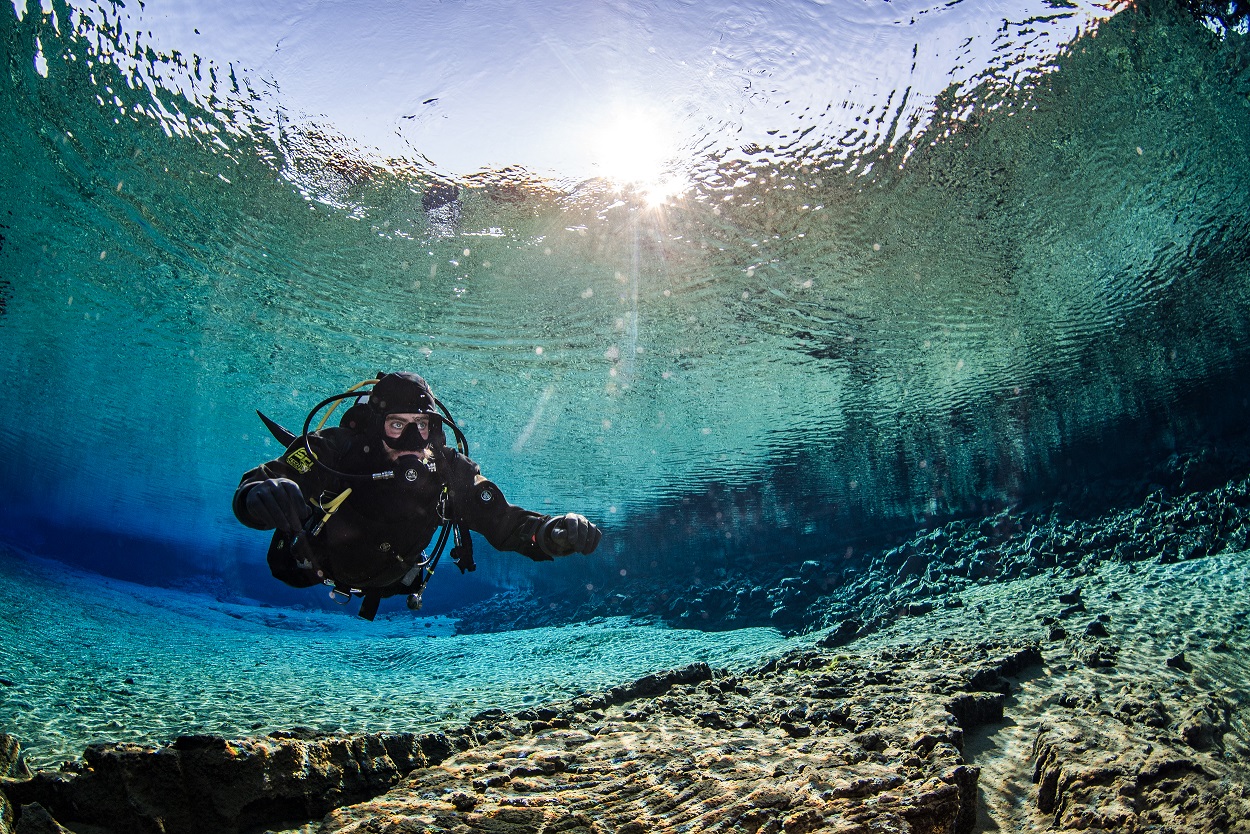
<point>1203,728</point>
<point>895,765</point>
<point>11,762</point>
<point>1110,769</point>
<point>854,743</point>
<point>36,820</point>
<point>209,784</point>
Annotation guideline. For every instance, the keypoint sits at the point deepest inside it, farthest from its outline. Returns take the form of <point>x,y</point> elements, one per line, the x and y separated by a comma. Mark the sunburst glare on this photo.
<point>637,148</point>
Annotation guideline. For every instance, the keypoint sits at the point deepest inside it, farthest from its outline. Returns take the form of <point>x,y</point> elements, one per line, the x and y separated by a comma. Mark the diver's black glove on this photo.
<point>564,534</point>
<point>278,503</point>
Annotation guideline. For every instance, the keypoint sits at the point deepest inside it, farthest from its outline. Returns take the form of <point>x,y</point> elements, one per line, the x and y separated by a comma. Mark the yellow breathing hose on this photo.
<point>336,403</point>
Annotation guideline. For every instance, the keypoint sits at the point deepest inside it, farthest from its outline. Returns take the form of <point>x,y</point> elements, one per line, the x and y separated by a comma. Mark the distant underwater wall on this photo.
<point>826,339</point>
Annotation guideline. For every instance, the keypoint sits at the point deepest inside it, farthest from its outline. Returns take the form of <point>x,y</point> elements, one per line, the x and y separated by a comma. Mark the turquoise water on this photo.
<point>744,283</point>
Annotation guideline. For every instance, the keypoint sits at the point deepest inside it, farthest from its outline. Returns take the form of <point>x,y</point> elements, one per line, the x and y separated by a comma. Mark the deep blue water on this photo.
<point>741,282</point>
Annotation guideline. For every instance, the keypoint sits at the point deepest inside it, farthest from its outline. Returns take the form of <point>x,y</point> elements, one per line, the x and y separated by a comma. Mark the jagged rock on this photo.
<point>1205,725</point>
<point>843,634</point>
<point>11,765</point>
<point>914,564</point>
<point>1178,661</point>
<point>806,741</point>
<point>1099,771</point>
<point>36,820</point>
<point>809,768</point>
<point>10,750</point>
<point>209,784</point>
<point>1075,608</point>
<point>1102,655</point>
<point>1096,628</point>
<point>1071,597</point>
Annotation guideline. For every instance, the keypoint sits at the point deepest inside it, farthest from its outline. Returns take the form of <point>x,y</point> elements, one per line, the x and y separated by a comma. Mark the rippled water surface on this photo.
<point>742,278</point>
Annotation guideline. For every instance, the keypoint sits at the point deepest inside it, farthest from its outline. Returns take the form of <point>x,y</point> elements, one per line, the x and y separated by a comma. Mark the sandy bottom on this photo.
<point>85,659</point>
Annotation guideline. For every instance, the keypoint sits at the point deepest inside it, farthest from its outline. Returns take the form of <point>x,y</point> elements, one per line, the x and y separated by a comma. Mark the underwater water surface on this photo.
<point>744,283</point>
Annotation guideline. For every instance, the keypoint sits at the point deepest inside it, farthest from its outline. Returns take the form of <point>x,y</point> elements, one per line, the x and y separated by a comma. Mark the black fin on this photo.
<point>279,434</point>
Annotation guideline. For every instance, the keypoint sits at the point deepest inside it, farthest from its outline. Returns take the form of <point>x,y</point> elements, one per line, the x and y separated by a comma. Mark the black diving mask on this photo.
<point>411,438</point>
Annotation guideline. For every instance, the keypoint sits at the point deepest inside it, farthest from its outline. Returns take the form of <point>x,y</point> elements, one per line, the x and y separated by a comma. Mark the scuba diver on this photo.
<point>356,506</point>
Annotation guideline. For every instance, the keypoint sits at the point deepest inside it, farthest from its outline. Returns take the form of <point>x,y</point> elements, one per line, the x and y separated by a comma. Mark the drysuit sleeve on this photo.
<point>294,464</point>
<point>479,504</point>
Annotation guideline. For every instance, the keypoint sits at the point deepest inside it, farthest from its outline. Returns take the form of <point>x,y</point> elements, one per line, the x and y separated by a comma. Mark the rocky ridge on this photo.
<point>833,739</point>
<point>1175,522</point>
<point>812,741</point>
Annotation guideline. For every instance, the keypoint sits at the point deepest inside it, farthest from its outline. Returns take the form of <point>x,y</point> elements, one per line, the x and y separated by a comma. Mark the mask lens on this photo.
<point>406,435</point>
<point>395,426</point>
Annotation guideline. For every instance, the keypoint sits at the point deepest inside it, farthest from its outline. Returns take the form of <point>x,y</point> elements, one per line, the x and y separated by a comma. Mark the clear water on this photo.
<point>733,279</point>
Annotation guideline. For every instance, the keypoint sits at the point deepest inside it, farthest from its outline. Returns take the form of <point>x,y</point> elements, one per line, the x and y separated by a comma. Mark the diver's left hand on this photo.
<point>569,533</point>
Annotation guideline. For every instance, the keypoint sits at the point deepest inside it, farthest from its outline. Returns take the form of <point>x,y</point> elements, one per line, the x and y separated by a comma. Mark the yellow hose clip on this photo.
<point>330,507</point>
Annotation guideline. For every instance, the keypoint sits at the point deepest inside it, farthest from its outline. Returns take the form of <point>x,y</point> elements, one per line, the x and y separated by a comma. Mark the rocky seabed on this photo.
<point>820,740</point>
<point>860,595</point>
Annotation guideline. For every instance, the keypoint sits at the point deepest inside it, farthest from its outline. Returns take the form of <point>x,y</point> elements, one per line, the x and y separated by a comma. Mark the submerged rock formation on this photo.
<point>208,783</point>
<point>814,741</point>
<point>1175,521</point>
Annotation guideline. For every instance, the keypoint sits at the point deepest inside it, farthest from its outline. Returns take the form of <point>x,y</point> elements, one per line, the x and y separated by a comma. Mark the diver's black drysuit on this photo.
<point>374,541</point>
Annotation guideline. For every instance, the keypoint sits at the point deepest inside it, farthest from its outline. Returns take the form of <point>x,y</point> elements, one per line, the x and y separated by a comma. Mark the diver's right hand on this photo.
<point>278,503</point>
